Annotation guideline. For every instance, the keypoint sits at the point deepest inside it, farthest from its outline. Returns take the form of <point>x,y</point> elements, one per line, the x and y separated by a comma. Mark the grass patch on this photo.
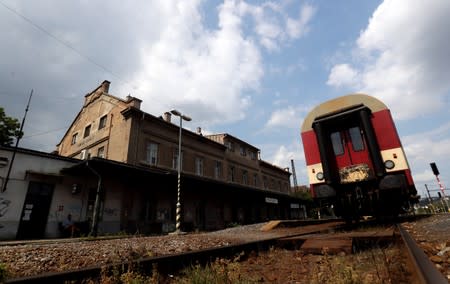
<point>3,272</point>
<point>221,271</point>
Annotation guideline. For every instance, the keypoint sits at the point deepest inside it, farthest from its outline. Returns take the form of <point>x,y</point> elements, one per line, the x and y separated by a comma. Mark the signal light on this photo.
<point>434,169</point>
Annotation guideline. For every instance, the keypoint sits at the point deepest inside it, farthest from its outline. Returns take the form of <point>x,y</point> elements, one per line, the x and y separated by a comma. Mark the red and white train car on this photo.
<point>355,159</point>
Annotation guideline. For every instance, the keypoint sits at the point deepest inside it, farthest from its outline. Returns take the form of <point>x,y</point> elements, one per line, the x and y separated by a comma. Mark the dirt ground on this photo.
<point>379,265</point>
<point>382,265</point>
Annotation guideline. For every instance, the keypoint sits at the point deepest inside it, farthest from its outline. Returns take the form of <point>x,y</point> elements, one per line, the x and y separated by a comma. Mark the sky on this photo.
<point>253,69</point>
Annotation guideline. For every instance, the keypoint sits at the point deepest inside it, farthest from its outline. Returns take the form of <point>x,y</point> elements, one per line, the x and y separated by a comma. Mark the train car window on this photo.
<point>356,138</point>
<point>336,140</point>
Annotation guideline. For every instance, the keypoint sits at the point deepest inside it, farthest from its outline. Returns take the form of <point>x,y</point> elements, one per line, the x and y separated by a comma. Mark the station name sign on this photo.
<point>271,200</point>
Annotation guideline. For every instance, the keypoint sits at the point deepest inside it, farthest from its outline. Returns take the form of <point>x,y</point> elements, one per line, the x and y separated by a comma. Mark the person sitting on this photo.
<point>69,226</point>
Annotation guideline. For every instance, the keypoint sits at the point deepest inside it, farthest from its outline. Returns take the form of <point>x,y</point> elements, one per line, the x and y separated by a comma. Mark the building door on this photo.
<point>35,211</point>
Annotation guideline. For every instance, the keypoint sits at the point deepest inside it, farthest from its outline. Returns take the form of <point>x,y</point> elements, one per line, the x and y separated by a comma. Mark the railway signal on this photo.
<point>434,169</point>
<point>441,187</point>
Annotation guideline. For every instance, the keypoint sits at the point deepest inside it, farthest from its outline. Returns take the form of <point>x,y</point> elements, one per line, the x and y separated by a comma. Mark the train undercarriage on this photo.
<point>385,199</point>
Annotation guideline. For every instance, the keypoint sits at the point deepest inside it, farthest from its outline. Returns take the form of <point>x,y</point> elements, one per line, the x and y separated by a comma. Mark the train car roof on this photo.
<point>341,103</point>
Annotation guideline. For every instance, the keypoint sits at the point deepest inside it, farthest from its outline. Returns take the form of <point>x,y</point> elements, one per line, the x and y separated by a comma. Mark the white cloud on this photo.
<point>210,72</point>
<point>198,70</point>
<point>343,75</point>
<point>423,148</point>
<point>281,156</point>
<point>274,27</point>
<point>289,117</point>
<point>299,27</point>
<point>402,57</point>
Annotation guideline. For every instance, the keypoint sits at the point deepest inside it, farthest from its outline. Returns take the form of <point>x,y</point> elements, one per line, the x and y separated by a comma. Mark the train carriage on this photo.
<point>355,160</point>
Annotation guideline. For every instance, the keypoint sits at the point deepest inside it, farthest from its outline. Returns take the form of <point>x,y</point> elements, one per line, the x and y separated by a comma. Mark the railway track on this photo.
<point>425,271</point>
<point>168,264</point>
<point>312,239</point>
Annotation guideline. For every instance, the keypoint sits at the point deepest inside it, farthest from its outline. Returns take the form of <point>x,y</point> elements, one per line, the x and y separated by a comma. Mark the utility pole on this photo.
<point>429,199</point>
<point>17,145</point>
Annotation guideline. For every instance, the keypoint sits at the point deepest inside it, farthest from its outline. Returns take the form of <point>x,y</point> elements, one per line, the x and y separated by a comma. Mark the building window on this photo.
<point>230,145</point>
<point>175,159</point>
<point>199,166</point>
<point>101,152</point>
<point>265,182</point>
<point>242,151</point>
<point>255,179</point>
<point>87,131</point>
<point>231,173</point>
<point>252,155</point>
<point>102,122</point>
<point>218,169</point>
<point>152,153</point>
<point>244,177</point>
<point>74,139</point>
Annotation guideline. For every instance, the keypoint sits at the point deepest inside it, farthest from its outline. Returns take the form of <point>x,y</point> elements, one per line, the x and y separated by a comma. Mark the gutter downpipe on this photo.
<point>94,227</point>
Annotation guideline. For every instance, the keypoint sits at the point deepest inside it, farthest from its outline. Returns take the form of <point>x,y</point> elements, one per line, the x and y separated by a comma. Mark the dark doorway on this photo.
<point>35,211</point>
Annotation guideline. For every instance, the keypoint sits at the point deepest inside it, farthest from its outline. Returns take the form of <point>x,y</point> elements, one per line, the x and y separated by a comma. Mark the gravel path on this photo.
<point>36,257</point>
<point>32,258</point>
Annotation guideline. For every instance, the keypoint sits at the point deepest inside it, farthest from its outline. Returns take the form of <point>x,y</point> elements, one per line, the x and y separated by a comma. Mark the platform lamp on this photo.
<point>178,210</point>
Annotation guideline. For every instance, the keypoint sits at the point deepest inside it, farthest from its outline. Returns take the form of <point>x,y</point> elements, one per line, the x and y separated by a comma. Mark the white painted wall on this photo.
<point>12,200</point>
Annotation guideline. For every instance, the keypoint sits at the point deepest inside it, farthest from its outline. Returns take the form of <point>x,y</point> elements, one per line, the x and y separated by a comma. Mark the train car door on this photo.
<point>350,150</point>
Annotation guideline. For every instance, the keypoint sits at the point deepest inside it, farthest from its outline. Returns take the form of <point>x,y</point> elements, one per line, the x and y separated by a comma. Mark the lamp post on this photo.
<point>178,210</point>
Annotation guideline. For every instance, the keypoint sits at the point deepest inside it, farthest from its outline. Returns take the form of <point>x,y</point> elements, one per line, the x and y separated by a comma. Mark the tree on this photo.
<point>9,129</point>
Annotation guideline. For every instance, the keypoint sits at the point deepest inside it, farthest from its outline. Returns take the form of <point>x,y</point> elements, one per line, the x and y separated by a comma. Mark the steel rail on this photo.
<point>423,268</point>
<point>165,264</point>
<point>168,264</point>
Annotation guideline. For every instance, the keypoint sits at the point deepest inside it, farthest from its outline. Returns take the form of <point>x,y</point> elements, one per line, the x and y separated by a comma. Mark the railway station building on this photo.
<point>127,160</point>
<point>223,179</point>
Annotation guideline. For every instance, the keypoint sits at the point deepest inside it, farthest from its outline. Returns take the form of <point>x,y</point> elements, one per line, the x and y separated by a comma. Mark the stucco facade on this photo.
<point>117,129</point>
<point>37,196</point>
<point>125,160</point>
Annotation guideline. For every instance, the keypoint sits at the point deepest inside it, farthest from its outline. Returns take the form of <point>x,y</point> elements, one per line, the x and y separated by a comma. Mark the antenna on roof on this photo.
<point>17,144</point>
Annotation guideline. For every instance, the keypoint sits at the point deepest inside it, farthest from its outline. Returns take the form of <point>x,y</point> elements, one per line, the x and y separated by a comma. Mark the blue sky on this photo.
<point>249,68</point>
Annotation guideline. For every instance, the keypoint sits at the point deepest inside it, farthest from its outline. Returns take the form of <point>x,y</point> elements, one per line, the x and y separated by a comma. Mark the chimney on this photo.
<point>134,102</point>
<point>167,117</point>
<point>199,131</point>
<point>105,86</point>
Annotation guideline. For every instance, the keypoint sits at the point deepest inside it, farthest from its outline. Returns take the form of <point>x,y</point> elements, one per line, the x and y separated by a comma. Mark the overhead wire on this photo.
<point>29,21</point>
<point>73,49</point>
<point>67,45</point>
<point>46,132</point>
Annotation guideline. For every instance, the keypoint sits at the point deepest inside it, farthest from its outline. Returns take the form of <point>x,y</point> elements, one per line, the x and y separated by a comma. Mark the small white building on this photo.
<point>36,197</point>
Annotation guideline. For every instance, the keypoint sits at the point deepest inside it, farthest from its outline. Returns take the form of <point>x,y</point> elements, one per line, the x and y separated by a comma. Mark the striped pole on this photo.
<point>444,198</point>
<point>178,217</point>
<point>178,210</point>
